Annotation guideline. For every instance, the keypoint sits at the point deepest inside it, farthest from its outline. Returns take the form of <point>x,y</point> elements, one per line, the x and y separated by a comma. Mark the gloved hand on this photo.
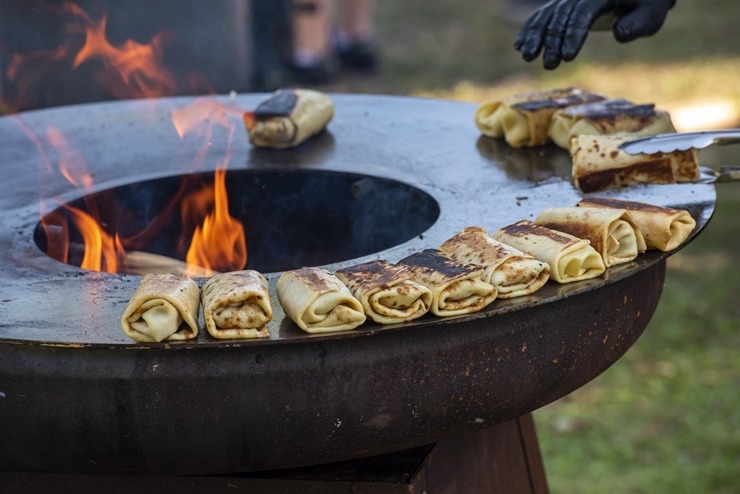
<point>561,26</point>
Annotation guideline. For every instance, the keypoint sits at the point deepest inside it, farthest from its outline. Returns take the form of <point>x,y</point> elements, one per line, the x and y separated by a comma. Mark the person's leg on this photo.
<point>312,20</point>
<point>354,36</point>
<point>355,19</point>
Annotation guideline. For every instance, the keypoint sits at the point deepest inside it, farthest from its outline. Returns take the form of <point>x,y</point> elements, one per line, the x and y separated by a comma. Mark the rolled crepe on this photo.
<point>608,117</point>
<point>523,119</point>
<point>570,258</point>
<point>163,307</point>
<point>386,291</point>
<point>318,302</point>
<point>664,228</point>
<point>511,271</point>
<point>612,232</point>
<point>456,288</point>
<point>599,164</point>
<point>289,117</point>
<point>237,305</point>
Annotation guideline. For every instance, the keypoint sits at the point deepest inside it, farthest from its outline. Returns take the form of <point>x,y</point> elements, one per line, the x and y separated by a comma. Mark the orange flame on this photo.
<point>71,164</point>
<point>191,118</point>
<point>102,251</point>
<point>129,70</point>
<point>219,244</point>
<point>134,69</point>
<point>25,70</point>
<point>218,240</point>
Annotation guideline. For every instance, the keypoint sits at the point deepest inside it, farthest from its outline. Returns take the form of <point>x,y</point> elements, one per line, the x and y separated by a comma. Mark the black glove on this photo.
<point>561,26</point>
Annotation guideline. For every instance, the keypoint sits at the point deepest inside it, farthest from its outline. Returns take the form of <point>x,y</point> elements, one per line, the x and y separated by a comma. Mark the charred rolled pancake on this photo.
<point>237,305</point>
<point>523,119</point>
<point>289,117</point>
<point>456,288</point>
<point>386,291</point>
<point>664,228</point>
<point>570,258</point>
<point>612,232</point>
<point>511,271</point>
<point>163,307</point>
<point>608,117</point>
<point>318,302</point>
<point>599,164</point>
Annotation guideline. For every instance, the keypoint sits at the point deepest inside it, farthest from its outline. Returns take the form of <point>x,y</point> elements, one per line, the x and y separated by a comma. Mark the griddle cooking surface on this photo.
<point>432,145</point>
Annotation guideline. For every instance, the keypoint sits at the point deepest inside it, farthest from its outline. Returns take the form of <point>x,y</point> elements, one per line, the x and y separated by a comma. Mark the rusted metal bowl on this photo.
<point>77,396</point>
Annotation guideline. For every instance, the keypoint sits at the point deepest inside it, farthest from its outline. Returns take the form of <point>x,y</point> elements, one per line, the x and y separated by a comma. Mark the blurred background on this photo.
<point>666,417</point>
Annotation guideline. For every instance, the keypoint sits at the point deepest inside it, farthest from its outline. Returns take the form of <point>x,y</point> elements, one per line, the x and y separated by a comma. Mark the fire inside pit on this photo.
<point>290,218</point>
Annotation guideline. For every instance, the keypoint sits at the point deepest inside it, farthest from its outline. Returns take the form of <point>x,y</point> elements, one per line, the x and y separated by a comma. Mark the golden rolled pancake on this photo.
<point>289,117</point>
<point>570,258</point>
<point>163,307</point>
<point>386,291</point>
<point>523,119</point>
<point>612,232</point>
<point>664,228</point>
<point>608,117</point>
<point>510,270</point>
<point>457,288</point>
<point>599,164</point>
<point>318,302</point>
<point>237,305</point>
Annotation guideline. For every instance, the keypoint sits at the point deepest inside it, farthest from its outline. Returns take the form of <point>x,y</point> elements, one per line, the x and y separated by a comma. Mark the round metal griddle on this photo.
<point>77,395</point>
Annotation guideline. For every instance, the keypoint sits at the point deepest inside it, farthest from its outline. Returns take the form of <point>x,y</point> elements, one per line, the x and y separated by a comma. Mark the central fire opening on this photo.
<point>290,218</point>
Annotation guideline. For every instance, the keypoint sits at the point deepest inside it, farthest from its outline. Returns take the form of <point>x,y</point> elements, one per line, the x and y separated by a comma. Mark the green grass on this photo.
<point>666,417</point>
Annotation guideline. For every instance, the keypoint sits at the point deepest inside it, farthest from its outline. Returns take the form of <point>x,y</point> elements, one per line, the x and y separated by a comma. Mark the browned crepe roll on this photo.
<point>664,228</point>
<point>523,119</point>
<point>456,288</point>
<point>612,232</point>
<point>599,164</point>
<point>289,117</point>
<point>318,302</point>
<point>237,305</point>
<point>608,117</point>
<point>386,291</point>
<point>163,307</point>
<point>511,271</point>
<point>570,258</point>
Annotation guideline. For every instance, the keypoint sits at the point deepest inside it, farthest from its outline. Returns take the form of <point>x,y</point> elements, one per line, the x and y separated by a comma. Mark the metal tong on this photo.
<point>683,141</point>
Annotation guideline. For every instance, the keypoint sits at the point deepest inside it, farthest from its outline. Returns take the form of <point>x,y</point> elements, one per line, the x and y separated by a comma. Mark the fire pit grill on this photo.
<point>70,381</point>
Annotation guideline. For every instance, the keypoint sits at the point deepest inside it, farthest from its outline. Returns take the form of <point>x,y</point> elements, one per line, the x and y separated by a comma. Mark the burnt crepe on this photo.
<point>664,228</point>
<point>612,232</point>
<point>608,117</point>
<point>456,288</point>
<point>523,119</point>
<point>289,117</point>
<point>318,302</point>
<point>599,164</point>
<point>163,307</point>
<point>386,291</point>
<point>570,258</point>
<point>237,305</point>
<point>511,271</point>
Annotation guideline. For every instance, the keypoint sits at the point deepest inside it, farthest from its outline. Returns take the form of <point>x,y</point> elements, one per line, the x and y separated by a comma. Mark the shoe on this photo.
<point>359,56</point>
<point>319,74</point>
